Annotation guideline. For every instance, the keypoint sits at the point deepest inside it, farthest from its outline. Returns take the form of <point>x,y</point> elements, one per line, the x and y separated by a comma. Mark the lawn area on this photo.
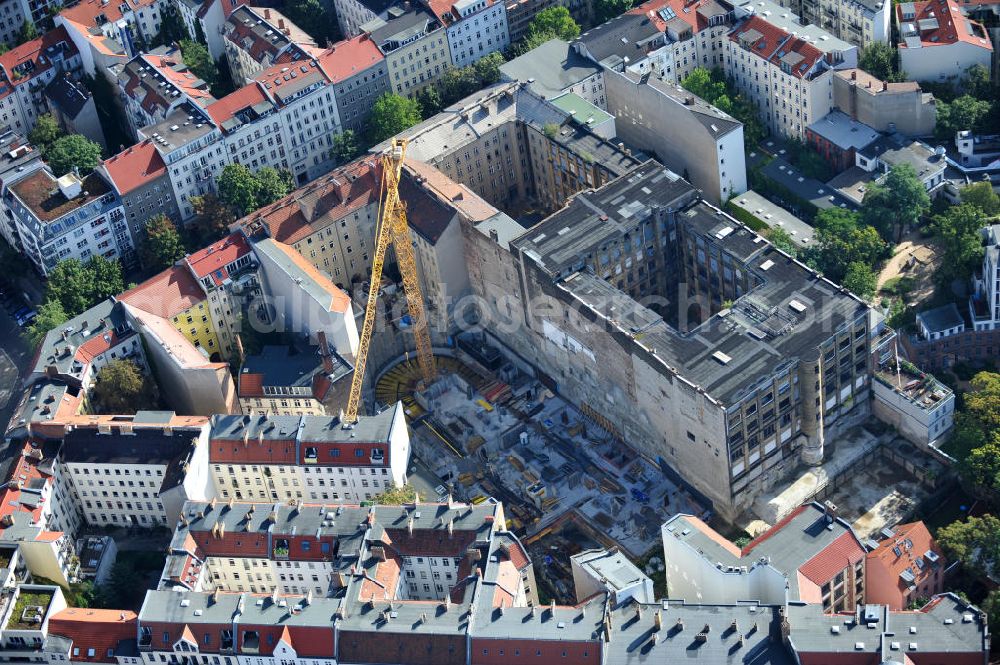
<point>25,600</point>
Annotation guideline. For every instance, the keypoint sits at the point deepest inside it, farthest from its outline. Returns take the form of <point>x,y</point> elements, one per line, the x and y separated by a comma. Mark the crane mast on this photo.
<point>392,228</point>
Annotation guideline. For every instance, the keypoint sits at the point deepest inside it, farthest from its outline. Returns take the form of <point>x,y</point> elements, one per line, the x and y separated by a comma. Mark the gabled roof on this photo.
<point>93,14</point>
<point>313,282</point>
<point>167,294</point>
<point>212,260</point>
<point>134,167</point>
<point>778,47</point>
<point>349,58</point>
<point>938,23</point>
<point>23,63</point>
<point>96,633</point>
<point>250,98</point>
<point>909,556</point>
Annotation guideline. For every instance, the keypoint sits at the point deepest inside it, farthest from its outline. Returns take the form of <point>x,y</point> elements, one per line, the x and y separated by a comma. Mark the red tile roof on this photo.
<point>236,101</point>
<point>170,68</point>
<point>775,44</point>
<point>212,260</point>
<point>311,208</point>
<point>166,294</point>
<point>349,58</point>
<point>97,631</point>
<point>30,57</point>
<point>23,471</point>
<point>843,552</point>
<point>912,541</point>
<point>951,26</point>
<point>97,345</point>
<point>87,12</point>
<point>134,167</point>
<point>253,451</point>
<point>251,385</point>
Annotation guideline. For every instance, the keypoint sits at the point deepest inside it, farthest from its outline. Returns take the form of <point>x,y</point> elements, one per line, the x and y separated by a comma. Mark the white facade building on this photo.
<point>475,28</point>
<point>308,458</point>
<point>939,43</point>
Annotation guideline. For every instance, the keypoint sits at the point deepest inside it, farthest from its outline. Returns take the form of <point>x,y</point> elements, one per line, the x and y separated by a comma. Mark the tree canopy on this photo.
<point>966,112</point>
<point>50,315</point>
<point>346,146</point>
<point>977,430</point>
<point>27,32</point>
<point>122,388</point>
<point>78,286</point>
<point>45,132</point>
<point>199,60</point>
<point>172,27</point>
<point>314,18</point>
<point>392,114</point>
<point>73,151</point>
<point>861,280</point>
<point>975,542</point>
<point>879,59</point>
<point>957,229</point>
<point>896,203</point>
<point>712,86</point>
<point>982,196</point>
<point>844,241</point>
<point>606,10</point>
<point>555,21</point>
<point>245,191</point>
<point>212,219</point>
<point>163,246</point>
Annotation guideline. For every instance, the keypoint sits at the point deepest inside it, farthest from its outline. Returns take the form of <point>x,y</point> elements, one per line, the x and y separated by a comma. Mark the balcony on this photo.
<point>919,388</point>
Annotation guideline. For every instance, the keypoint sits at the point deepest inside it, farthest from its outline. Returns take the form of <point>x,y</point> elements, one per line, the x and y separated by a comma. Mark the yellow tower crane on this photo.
<point>392,227</point>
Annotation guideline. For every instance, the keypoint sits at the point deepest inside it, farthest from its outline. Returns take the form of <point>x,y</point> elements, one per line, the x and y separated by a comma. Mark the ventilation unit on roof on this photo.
<point>721,357</point>
<point>797,306</point>
<point>766,264</point>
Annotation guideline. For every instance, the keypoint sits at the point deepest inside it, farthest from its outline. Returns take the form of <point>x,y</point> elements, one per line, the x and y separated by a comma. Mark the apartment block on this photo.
<point>810,556</point>
<point>446,584</point>
<point>359,74</point>
<point>108,33</point>
<point>554,69</point>
<point>68,217</point>
<point>140,180</point>
<point>26,70</point>
<point>789,77</point>
<point>984,304</point>
<point>686,134</point>
<point>288,381</point>
<point>677,376</point>
<point>73,107</point>
<point>155,84</point>
<point>939,43</point>
<point>256,38</point>
<point>475,28</point>
<point>415,45</point>
<point>885,107</point>
<point>352,15</point>
<point>138,473</point>
<point>860,22</point>
<point>309,457</point>
<point>18,159</point>
<point>227,273</point>
<point>906,565</point>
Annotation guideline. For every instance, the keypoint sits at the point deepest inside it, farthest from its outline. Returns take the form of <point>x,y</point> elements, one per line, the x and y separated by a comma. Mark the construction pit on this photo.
<point>566,483</point>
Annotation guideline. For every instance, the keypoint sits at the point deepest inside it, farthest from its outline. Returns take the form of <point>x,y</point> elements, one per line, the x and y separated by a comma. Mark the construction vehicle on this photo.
<point>392,227</point>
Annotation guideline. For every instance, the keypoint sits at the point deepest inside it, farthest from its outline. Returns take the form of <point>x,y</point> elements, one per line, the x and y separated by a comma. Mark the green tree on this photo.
<point>172,28</point>
<point>45,132</point>
<point>72,285</point>
<point>780,239</point>
<point>238,188</point>
<point>530,42</point>
<point>212,219</point>
<point>966,112</point>
<point>982,196</point>
<point>975,437</point>
<point>397,496</point>
<point>392,114</point>
<point>457,83</point>
<point>345,145</point>
<point>861,280</point>
<point>4,47</point>
<point>488,68</point>
<point>106,278</point>
<point>977,83</point>
<point>605,10</point>
<point>879,59</point>
<point>199,60</point>
<point>272,185</point>
<point>843,241</point>
<point>896,203</point>
<point>430,101</point>
<point>313,18</point>
<point>556,21</point>
<point>701,83</point>
<point>50,316</point>
<point>73,151</point>
<point>163,246</point>
<point>958,230</point>
<point>122,388</point>
<point>975,542</point>
<point>27,33</point>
